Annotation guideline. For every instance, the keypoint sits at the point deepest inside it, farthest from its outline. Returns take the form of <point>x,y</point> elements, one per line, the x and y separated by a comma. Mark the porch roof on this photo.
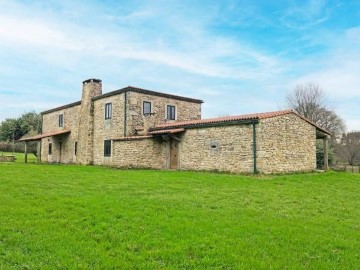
<point>45,135</point>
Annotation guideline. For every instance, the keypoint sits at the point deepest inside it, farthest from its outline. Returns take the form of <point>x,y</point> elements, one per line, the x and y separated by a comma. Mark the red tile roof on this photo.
<point>244,117</point>
<point>254,116</point>
<point>45,135</point>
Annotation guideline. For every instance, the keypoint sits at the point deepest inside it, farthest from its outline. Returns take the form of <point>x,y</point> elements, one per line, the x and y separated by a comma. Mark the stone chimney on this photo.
<point>91,88</point>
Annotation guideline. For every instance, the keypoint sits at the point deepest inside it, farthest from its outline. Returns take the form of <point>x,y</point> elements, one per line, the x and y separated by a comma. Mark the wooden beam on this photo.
<point>326,155</point>
<point>38,151</point>
<point>26,152</point>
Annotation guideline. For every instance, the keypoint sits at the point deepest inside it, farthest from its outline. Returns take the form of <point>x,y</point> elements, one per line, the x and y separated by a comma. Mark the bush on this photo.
<point>19,147</point>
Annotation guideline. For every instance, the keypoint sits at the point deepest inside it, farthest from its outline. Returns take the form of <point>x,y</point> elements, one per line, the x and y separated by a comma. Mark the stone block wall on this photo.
<point>91,88</point>
<point>107,129</point>
<point>185,110</point>
<point>285,144</point>
<point>144,153</point>
<point>50,124</point>
<point>223,148</point>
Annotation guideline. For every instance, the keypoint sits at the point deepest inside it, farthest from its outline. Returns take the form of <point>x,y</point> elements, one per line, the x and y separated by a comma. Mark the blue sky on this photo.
<point>238,56</point>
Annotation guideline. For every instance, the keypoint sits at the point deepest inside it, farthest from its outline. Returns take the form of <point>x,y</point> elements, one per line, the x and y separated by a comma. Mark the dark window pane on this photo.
<point>171,112</point>
<point>107,148</point>
<point>146,107</point>
<point>108,111</point>
<point>61,120</point>
<point>50,148</point>
<point>75,148</point>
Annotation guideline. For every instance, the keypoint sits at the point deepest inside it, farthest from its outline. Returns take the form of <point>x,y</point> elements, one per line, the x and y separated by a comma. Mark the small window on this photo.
<point>146,107</point>
<point>107,148</point>
<point>108,110</point>
<point>170,112</point>
<point>61,120</point>
<point>50,148</point>
<point>75,152</point>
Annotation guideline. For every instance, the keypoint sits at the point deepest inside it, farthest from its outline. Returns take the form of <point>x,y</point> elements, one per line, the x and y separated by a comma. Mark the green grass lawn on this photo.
<point>77,217</point>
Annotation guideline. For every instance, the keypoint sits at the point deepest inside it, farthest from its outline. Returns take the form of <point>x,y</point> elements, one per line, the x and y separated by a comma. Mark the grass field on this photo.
<point>77,217</point>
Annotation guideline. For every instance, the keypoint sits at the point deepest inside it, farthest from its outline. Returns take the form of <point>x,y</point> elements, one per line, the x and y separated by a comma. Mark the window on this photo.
<point>107,148</point>
<point>170,112</point>
<point>146,107</point>
<point>50,148</point>
<point>61,120</point>
<point>75,148</point>
<point>108,110</point>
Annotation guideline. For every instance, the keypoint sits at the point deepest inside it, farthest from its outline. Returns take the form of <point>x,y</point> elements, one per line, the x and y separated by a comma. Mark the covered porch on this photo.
<point>38,139</point>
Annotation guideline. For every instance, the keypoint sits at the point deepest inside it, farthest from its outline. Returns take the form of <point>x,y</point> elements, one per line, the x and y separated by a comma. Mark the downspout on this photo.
<point>125,114</point>
<point>254,147</point>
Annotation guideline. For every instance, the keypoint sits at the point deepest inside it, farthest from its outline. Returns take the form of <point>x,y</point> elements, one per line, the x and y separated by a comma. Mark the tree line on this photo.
<point>310,101</point>
<point>12,129</point>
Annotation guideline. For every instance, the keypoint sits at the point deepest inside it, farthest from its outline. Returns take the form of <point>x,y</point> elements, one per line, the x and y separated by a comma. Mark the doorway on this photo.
<point>174,154</point>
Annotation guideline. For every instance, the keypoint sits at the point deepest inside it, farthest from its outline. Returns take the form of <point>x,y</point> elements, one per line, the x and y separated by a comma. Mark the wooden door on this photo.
<point>174,154</point>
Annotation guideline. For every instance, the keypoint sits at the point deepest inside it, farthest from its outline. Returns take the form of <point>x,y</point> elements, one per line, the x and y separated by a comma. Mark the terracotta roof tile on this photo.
<point>244,117</point>
<point>45,135</point>
<point>254,116</point>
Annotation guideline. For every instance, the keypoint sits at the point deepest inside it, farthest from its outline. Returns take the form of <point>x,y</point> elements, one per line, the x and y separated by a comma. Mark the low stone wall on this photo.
<point>7,158</point>
<point>145,153</point>
<point>223,148</point>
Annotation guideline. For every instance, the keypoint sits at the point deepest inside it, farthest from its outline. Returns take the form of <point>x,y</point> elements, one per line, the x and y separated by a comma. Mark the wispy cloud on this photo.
<point>236,55</point>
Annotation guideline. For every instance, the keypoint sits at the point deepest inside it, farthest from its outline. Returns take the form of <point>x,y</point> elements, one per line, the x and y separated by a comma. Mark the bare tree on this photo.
<point>349,148</point>
<point>309,100</point>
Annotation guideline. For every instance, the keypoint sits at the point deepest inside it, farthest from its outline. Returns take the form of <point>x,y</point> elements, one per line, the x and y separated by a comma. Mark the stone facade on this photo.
<point>147,153</point>
<point>63,146</point>
<point>89,129</point>
<point>123,136</point>
<point>223,148</point>
<point>184,111</point>
<point>286,143</point>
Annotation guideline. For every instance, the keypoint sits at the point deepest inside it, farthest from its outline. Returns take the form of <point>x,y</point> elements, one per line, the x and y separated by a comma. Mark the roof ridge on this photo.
<point>251,116</point>
<point>147,91</point>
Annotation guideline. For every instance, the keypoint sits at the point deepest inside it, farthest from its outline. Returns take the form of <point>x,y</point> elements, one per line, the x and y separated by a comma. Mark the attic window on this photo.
<point>146,107</point>
<point>61,120</point>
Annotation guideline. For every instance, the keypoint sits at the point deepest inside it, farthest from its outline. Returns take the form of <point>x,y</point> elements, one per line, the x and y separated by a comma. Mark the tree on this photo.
<point>309,100</point>
<point>349,148</point>
<point>14,129</point>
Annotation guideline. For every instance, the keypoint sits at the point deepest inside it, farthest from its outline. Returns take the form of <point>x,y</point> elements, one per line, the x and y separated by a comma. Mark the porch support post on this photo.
<point>326,155</point>
<point>38,151</point>
<point>26,152</point>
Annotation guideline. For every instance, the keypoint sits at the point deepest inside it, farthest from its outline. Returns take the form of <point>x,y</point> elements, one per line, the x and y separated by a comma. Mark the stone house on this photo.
<point>138,128</point>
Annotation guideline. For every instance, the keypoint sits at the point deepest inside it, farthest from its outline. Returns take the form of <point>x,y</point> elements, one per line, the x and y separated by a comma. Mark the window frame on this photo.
<point>172,114</point>
<point>107,148</point>
<point>50,149</point>
<point>75,148</point>
<point>147,102</point>
<point>61,120</point>
<point>108,110</point>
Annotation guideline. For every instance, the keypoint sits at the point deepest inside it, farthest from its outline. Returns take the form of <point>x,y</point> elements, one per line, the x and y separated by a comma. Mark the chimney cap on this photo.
<point>92,80</point>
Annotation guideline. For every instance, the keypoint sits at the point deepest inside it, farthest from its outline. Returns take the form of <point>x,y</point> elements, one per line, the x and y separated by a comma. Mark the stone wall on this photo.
<point>285,144</point>
<point>109,128</point>
<point>185,110</point>
<point>223,148</point>
<point>144,153</point>
<point>51,124</point>
<point>91,88</point>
